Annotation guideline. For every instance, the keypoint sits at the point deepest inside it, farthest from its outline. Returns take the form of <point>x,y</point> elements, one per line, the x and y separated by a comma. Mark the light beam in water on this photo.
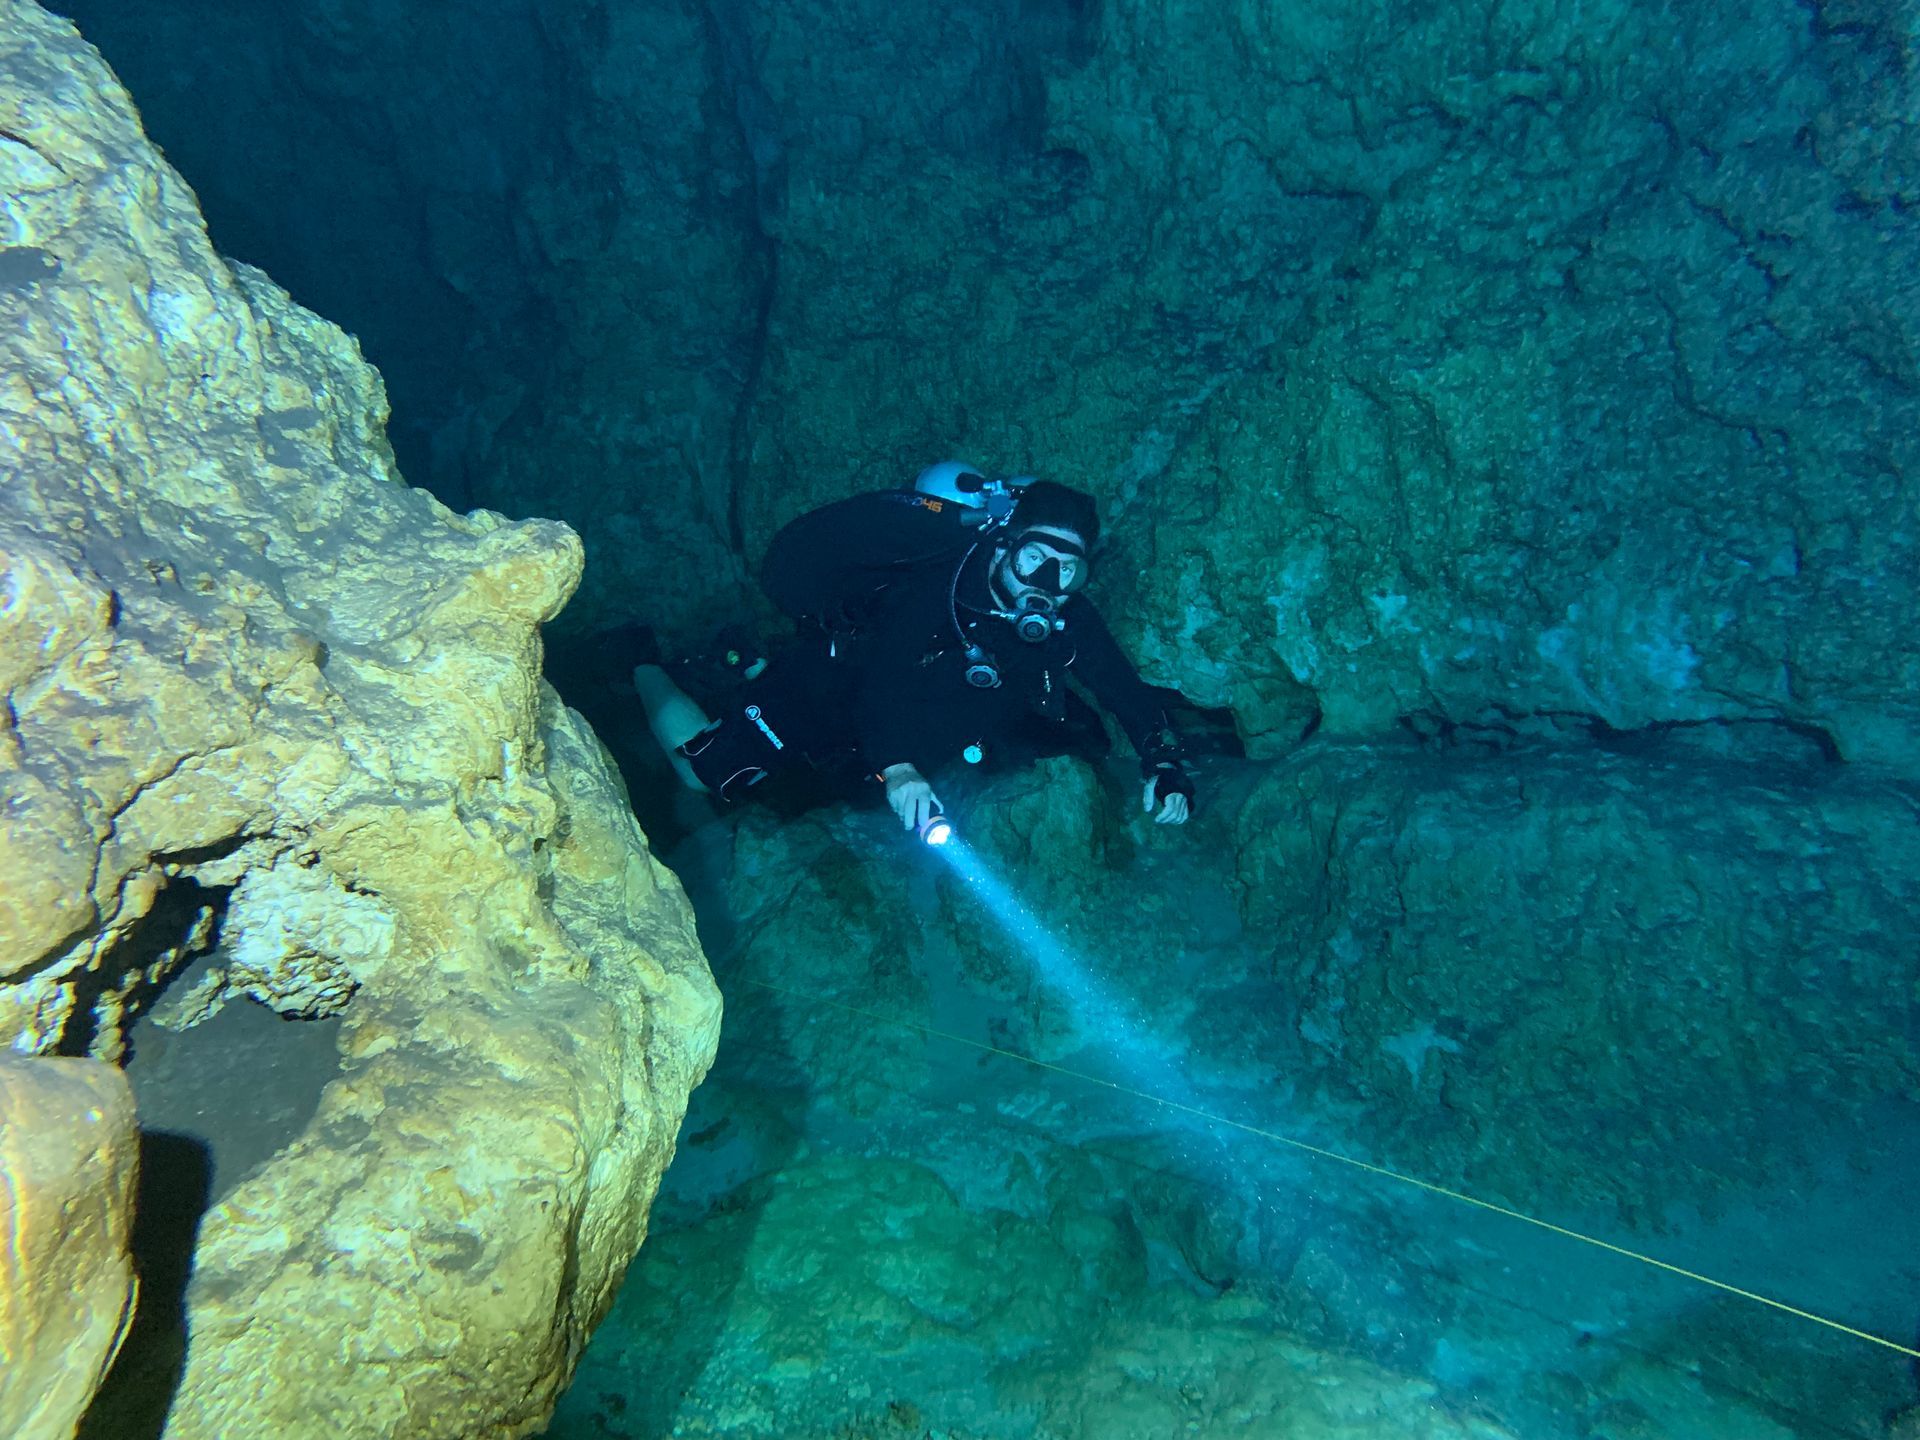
<point>1106,1021</point>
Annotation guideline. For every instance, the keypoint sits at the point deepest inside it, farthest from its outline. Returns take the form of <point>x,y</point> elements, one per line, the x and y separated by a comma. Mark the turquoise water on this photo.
<point>885,1221</point>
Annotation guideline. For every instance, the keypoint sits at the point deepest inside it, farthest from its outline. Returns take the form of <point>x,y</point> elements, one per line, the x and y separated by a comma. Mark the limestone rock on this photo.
<point>964,1324</point>
<point>259,693</point>
<point>1468,957</point>
<point>1419,370</point>
<point>1480,957</point>
<point>634,292</point>
<point>68,1154</point>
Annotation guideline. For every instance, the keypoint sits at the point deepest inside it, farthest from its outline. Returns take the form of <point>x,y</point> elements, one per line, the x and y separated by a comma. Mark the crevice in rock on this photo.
<point>1773,739</point>
<point>185,1079</point>
<point>179,924</point>
<point>191,857</point>
<point>196,1143</point>
<point>1768,740</point>
<point>758,123</point>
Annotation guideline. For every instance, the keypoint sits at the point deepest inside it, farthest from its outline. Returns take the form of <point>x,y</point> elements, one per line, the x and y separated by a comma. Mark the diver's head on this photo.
<point>1043,559</point>
<point>1044,505</point>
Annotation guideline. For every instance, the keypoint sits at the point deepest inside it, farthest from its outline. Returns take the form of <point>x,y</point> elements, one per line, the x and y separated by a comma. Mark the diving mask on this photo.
<point>1040,562</point>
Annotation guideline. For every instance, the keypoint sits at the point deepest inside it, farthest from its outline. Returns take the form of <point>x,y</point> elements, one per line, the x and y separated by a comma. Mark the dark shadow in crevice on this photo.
<point>1775,741</point>
<point>185,1081</point>
<point>196,1142</point>
<point>180,924</point>
<point>174,1191</point>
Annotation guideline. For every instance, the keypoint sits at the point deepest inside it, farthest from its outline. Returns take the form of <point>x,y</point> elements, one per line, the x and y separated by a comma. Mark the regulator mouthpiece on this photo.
<point>936,829</point>
<point>1035,618</point>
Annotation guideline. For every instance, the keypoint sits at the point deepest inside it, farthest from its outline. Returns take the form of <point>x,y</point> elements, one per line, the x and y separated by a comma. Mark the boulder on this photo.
<point>270,710</point>
<point>68,1155</point>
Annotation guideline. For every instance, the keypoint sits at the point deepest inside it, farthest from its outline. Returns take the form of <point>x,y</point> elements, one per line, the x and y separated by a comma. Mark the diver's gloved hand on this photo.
<point>1170,789</point>
<point>910,795</point>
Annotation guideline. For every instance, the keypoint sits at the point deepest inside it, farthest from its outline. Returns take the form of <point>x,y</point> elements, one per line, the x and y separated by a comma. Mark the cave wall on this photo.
<point>539,221</point>
<point>398,218</point>
<point>1586,978</point>
<point>1535,358</point>
<point>1487,371</point>
<point>1434,361</point>
<point>1497,372</point>
<point>1660,996</point>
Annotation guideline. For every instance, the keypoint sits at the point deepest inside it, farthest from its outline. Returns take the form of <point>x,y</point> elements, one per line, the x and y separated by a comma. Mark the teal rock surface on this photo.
<point>1247,1093</point>
<point>1445,364</point>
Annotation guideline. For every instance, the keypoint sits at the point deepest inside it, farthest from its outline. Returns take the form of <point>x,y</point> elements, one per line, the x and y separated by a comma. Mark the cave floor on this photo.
<point>964,1244</point>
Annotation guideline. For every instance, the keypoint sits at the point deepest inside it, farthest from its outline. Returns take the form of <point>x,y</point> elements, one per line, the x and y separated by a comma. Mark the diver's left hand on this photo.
<point>1171,788</point>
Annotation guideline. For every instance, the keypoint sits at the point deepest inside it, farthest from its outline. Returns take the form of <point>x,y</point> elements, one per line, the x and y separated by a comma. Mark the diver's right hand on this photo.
<point>910,795</point>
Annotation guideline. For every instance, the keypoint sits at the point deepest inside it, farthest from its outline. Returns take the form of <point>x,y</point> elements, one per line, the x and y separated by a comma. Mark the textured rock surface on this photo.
<point>1484,957</point>
<point>571,312</point>
<point>1529,356</point>
<point>1466,958</point>
<point>68,1153</point>
<point>1607,345</point>
<point>1536,358</point>
<point>262,694</point>
<point>915,1276</point>
<point>1484,371</point>
<point>1663,997</point>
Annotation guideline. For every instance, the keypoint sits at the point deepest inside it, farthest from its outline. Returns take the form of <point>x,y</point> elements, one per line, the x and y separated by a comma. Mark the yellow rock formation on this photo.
<point>253,688</point>
<point>68,1156</point>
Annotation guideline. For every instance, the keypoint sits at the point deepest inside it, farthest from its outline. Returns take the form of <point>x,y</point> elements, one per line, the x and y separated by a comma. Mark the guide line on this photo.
<point>1380,1171</point>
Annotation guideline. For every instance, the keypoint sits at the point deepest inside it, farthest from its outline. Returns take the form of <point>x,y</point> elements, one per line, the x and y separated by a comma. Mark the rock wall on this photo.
<point>1492,359</point>
<point>263,697</point>
<point>999,1324</point>
<point>540,221</point>
<point>1577,978</point>
<point>1432,364</point>
<point>68,1153</point>
<point>1610,983</point>
<point>1661,996</point>
<point>1498,373</point>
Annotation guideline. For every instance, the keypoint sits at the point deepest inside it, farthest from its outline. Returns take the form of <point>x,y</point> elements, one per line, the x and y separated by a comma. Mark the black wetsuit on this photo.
<point>891,590</point>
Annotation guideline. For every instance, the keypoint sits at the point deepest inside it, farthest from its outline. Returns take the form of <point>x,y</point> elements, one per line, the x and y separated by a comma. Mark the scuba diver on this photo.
<point>935,625</point>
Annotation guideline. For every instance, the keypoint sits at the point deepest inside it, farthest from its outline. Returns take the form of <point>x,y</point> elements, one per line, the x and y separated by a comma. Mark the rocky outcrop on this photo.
<point>262,696</point>
<point>1660,954</point>
<point>964,1322</point>
<point>68,1154</point>
<point>1521,399</point>
<point>1661,994</point>
<point>1550,976</point>
<point>1600,416</point>
<point>549,246</point>
<point>1493,362</point>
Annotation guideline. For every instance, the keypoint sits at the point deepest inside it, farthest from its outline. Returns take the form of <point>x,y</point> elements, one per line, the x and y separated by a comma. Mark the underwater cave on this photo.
<point>1504,427</point>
